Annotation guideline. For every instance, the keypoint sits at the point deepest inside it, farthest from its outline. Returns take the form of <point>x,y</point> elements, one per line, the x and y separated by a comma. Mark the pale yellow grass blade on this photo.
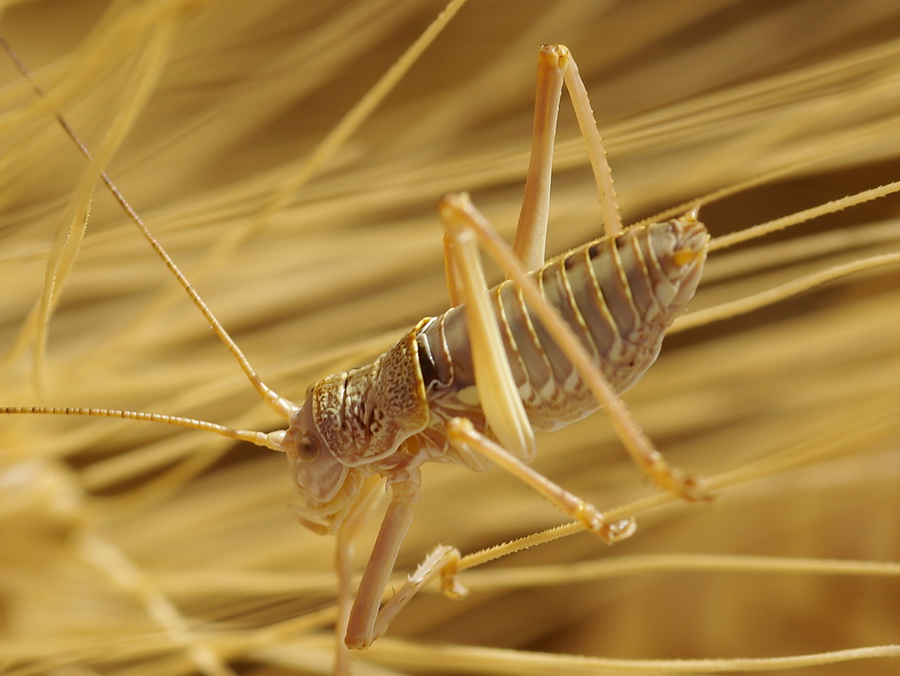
<point>132,549</point>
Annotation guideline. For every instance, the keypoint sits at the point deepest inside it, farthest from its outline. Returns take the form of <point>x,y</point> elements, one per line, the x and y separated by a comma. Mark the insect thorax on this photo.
<point>364,414</point>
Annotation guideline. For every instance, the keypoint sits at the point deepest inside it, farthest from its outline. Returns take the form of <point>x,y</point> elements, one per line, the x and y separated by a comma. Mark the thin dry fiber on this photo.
<point>137,549</point>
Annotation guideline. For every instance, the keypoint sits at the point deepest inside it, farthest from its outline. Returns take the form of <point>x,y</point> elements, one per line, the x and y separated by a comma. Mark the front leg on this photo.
<point>443,561</point>
<point>397,519</point>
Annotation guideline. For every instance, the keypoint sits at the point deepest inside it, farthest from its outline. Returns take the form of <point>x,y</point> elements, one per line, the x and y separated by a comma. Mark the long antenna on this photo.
<point>272,440</point>
<point>283,406</point>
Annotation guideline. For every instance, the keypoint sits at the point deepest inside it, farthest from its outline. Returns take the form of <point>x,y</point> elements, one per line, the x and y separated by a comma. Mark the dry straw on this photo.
<point>134,549</point>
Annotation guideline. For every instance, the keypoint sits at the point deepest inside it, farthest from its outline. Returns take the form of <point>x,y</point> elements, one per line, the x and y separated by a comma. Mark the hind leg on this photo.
<point>463,219</point>
<point>555,66</point>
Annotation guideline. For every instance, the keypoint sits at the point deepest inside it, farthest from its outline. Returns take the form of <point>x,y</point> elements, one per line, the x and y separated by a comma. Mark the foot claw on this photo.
<point>608,531</point>
<point>451,587</point>
<point>619,530</point>
<point>675,481</point>
<point>693,490</point>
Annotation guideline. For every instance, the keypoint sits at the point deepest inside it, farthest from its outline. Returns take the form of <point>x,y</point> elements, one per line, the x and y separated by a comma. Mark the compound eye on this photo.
<point>307,448</point>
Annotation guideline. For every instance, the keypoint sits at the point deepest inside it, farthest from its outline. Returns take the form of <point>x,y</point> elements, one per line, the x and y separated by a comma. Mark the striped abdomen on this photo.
<point>618,295</point>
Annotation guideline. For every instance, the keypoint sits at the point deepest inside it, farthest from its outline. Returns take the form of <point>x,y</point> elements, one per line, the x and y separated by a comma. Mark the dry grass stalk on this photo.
<point>130,549</point>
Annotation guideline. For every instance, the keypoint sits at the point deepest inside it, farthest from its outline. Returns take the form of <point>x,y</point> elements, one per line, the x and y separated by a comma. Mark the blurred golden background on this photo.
<point>128,548</point>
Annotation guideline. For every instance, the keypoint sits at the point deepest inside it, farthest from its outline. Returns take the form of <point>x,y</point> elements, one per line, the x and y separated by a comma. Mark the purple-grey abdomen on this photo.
<point>618,295</point>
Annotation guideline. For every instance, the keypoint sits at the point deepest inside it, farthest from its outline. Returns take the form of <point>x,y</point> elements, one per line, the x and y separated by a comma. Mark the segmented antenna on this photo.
<point>283,406</point>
